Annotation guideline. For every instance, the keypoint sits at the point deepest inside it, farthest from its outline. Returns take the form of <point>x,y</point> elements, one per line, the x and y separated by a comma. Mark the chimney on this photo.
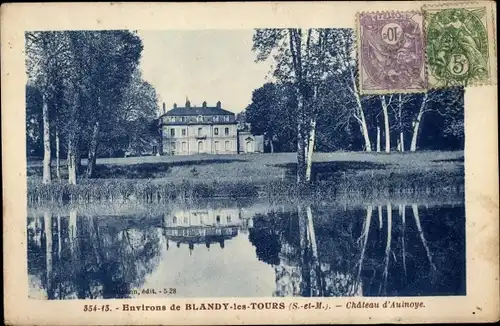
<point>218,104</point>
<point>188,104</point>
<point>175,105</point>
<point>164,109</point>
<point>204,104</point>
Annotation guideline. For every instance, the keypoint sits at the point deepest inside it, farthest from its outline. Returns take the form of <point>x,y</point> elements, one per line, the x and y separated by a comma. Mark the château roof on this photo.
<point>196,111</point>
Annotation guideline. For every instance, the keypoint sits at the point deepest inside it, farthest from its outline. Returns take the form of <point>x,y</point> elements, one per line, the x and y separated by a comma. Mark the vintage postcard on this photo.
<point>249,163</point>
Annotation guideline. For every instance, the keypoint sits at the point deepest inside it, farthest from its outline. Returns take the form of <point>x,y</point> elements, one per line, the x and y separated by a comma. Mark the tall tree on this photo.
<point>46,66</point>
<point>346,71</point>
<point>272,114</point>
<point>262,113</point>
<point>302,58</point>
<point>401,112</point>
<point>113,59</point>
<point>129,129</point>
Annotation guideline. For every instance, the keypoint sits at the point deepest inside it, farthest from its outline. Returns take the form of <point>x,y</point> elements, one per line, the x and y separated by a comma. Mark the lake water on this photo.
<point>224,249</point>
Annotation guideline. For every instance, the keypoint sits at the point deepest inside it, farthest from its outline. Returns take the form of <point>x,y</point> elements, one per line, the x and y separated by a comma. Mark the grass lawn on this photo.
<point>167,178</point>
<point>267,166</point>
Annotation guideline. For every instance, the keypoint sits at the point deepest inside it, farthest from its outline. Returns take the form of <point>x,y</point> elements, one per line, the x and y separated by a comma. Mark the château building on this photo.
<point>204,130</point>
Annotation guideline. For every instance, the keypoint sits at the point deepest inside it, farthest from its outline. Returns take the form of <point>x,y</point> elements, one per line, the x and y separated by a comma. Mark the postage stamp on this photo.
<point>458,45</point>
<point>391,52</point>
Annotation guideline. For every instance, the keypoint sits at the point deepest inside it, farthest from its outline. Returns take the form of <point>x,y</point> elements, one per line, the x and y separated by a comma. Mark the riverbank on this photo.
<point>163,179</point>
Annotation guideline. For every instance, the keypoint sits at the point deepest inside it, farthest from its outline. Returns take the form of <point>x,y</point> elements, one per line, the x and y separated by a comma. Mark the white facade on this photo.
<point>200,139</point>
<point>203,217</point>
<point>198,130</point>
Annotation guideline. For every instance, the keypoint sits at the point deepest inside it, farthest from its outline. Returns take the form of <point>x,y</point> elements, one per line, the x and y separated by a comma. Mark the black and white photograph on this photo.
<point>235,163</point>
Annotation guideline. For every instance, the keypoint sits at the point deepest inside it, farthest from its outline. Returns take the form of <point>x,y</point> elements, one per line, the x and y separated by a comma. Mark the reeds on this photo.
<point>123,190</point>
<point>369,185</point>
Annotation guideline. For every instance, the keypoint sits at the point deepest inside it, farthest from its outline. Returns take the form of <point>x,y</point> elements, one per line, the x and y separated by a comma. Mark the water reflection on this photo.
<point>386,249</point>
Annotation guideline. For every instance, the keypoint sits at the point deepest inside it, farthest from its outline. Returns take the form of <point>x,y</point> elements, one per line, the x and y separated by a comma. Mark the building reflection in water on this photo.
<point>195,227</point>
<point>377,250</point>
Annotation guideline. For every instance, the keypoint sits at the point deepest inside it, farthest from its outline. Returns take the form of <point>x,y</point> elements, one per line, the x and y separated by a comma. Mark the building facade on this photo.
<point>198,130</point>
<point>248,143</point>
<point>204,130</point>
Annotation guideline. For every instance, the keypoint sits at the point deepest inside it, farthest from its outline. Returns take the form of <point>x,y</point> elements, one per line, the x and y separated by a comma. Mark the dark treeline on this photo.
<point>439,115</point>
<point>85,97</point>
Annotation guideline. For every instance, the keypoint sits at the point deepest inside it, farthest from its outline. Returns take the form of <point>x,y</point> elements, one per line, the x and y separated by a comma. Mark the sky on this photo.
<point>202,65</point>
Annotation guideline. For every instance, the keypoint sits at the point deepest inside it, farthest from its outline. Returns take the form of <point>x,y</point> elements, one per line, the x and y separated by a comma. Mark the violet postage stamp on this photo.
<point>391,52</point>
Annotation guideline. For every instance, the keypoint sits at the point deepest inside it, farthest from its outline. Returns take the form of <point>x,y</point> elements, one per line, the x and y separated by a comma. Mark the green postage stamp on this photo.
<point>461,42</point>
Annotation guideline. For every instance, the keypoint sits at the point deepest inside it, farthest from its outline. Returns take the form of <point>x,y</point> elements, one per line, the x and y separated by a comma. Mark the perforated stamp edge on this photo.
<point>357,33</point>
<point>492,63</point>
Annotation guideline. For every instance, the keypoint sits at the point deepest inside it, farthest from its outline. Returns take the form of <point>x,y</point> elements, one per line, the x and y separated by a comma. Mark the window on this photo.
<point>216,144</point>
<point>226,146</point>
<point>217,219</point>
<point>216,131</point>
<point>226,118</point>
<point>184,146</point>
<point>199,118</point>
<point>199,131</point>
<point>184,132</point>
<point>183,119</point>
<point>216,118</point>
<point>226,131</point>
<point>228,218</point>
<point>172,132</point>
<point>186,221</point>
<point>173,146</point>
<point>174,220</point>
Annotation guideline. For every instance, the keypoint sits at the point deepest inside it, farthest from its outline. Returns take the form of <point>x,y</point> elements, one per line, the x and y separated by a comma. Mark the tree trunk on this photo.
<point>378,138</point>
<point>58,160</point>
<point>310,148</point>
<point>315,282</point>
<point>71,160</point>
<point>380,220</point>
<point>72,229</point>
<point>401,141</point>
<point>387,245</point>
<point>362,120</point>
<point>47,218</point>
<point>59,240</point>
<point>364,129</point>
<point>364,235</point>
<point>414,208</point>
<point>47,178</point>
<point>401,129</point>
<point>78,155</point>
<point>92,151</point>
<point>416,124</point>
<point>301,148</point>
<point>403,220</point>
<point>386,125</point>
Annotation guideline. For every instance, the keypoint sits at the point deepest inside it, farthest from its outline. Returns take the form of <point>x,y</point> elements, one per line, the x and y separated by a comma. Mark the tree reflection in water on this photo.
<point>314,251</point>
<point>85,258</point>
<point>319,252</point>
